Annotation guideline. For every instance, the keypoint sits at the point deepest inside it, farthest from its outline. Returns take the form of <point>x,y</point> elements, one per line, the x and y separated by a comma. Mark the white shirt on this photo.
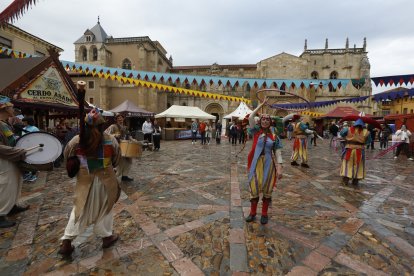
<point>147,127</point>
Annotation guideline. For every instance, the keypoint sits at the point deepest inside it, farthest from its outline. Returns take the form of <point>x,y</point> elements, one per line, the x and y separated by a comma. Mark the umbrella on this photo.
<point>365,119</point>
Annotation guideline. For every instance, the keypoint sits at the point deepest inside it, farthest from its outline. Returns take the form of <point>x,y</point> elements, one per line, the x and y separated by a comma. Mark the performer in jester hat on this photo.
<point>353,157</point>
<point>97,189</point>
<point>300,142</point>
<point>264,163</point>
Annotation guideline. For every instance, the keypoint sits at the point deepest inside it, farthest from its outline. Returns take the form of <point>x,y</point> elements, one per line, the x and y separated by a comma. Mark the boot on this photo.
<point>253,209</point>
<point>355,182</point>
<point>345,180</point>
<point>109,241</point>
<point>294,163</point>
<point>18,209</point>
<point>4,223</point>
<point>304,165</point>
<point>66,248</point>
<point>265,206</point>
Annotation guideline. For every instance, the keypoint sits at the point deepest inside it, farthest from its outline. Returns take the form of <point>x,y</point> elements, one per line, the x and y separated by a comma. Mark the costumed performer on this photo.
<point>97,189</point>
<point>120,132</point>
<point>10,175</point>
<point>353,157</point>
<point>300,142</point>
<point>264,163</point>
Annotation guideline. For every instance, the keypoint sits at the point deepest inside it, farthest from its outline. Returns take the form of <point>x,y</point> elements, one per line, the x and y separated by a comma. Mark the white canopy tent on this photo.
<point>191,112</point>
<point>241,111</point>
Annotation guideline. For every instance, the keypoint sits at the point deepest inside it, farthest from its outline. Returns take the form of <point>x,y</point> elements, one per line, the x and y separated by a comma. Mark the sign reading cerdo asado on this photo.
<point>48,88</point>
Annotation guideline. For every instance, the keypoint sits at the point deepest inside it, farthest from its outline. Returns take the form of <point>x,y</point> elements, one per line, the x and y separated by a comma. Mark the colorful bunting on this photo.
<point>391,80</point>
<point>176,78</point>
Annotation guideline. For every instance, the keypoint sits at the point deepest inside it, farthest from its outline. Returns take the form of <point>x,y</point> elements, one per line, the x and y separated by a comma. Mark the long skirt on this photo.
<point>258,184</point>
<point>10,186</point>
<point>300,149</point>
<point>95,212</point>
<point>353,164</point>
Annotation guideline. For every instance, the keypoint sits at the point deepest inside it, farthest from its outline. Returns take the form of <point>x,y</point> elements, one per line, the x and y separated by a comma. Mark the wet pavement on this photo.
<point>184,215</point>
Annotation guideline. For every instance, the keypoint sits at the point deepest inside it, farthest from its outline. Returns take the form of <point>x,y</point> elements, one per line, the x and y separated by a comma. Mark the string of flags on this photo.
<point>151,79</point>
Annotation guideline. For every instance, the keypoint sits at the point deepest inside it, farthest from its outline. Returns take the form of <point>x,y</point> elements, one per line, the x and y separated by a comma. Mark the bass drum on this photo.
<point>44,147</point>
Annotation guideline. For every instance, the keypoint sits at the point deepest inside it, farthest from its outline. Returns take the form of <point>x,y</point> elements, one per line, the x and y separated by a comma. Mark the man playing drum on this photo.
<point>119,131</point>
<point>97,188</point>
<point>10,175</point>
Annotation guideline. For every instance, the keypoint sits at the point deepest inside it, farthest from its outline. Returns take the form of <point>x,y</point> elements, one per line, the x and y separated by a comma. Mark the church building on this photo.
<point>141,53</point>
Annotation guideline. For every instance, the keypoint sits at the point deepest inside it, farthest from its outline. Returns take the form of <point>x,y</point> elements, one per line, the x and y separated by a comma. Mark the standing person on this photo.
<point>97,188</point>
<point>228,127</point>
<point>384,135</point>
<point>403,135</point>
<point>353,158</point>
<point>29,124</point>
<point>289,130</point>
<point>333,130</point>
<point>264,163</point>
<point>157,135</point>
<point>300,143</point>
<point>29,127</point>
<point>218,132</point>
<point>194,129</point>
<point>120,132</point>
<point>10,175</point>
<point>202,130</point>
<point>240,132</point>
<point>209,131</point>
<point>147,130</point>
<point>342,140</point>
<point>233,133</point>
<point>373,134</point>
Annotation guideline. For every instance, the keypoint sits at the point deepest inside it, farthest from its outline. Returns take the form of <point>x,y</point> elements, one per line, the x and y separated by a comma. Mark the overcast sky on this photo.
<point>201,32</point>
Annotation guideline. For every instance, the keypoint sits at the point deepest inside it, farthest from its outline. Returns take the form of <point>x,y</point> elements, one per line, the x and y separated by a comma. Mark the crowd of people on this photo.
<point>101,167</point>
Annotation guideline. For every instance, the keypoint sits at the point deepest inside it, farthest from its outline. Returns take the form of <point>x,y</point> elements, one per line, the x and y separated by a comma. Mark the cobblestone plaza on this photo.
<point>184,215</point>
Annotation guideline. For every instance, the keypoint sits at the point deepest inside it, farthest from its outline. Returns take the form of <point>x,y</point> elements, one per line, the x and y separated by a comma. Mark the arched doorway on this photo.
<point>215,109</point>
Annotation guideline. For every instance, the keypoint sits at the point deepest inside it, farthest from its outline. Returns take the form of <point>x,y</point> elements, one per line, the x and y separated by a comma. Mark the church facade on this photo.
<point>141,53</point>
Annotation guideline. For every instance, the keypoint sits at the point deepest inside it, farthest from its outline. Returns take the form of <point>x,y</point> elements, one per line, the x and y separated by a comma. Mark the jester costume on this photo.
<point>353,157</point>
<point>262,174</point>
<point>300,144</point>
<point>97,188</point>
<point>10,176</point>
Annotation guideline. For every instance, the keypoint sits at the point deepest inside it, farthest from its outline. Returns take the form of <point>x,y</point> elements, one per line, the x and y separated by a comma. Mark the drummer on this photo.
<point>10,175</point>
<point>121,133</point>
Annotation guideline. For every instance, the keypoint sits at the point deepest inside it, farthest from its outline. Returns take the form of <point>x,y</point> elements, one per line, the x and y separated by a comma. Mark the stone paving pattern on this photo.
<point>184,215</point>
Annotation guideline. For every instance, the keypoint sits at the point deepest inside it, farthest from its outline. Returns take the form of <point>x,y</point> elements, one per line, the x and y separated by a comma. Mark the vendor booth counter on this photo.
<point>176,133</point>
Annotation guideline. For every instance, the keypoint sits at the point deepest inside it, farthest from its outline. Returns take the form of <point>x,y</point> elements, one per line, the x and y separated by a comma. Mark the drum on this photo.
<point>130,149</point>
<point>42,150</point>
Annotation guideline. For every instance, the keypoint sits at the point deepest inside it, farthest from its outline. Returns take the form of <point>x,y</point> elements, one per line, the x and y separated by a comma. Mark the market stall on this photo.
<point>177,119</point>
<point>40,87</point>
<point>135,115</point>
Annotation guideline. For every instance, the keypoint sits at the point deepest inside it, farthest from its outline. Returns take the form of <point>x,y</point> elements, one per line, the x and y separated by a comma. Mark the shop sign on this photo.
<point>48,88</point>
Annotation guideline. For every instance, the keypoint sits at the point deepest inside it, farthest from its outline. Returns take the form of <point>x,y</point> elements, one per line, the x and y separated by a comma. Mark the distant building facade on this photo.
<point>142,53</point>
<point>19,40</point>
